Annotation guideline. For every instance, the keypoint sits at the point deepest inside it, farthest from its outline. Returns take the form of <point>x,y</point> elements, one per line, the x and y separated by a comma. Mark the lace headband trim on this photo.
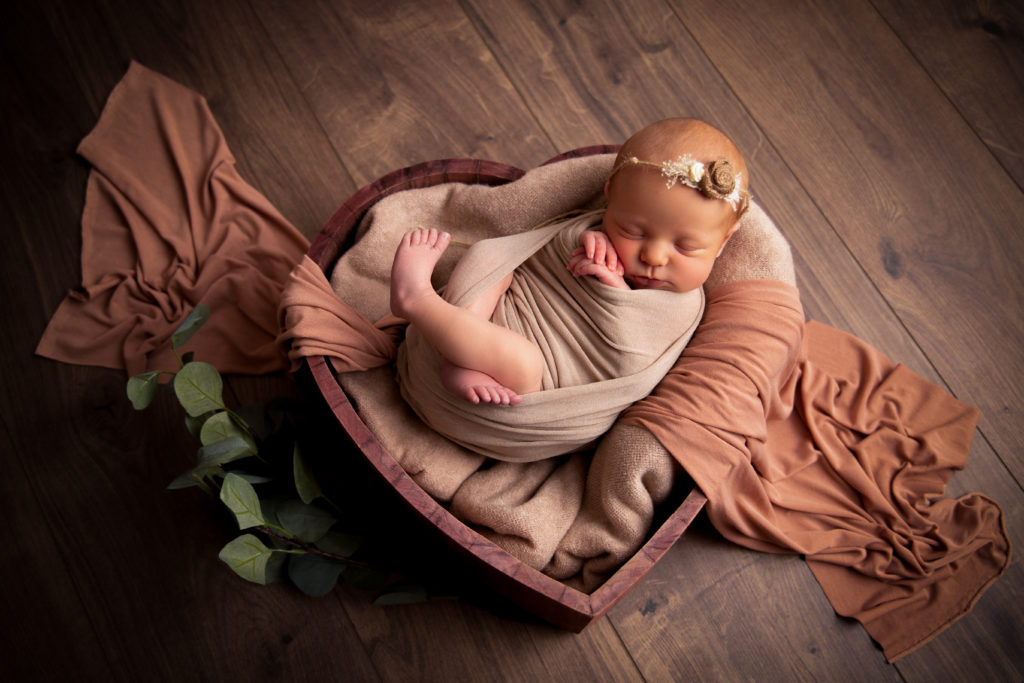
<point>716,180</point>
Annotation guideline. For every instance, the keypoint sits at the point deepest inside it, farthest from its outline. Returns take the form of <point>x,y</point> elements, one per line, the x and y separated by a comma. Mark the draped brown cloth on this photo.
<point>315,321</point>
<point>807,440</point>
<point>168,224</point>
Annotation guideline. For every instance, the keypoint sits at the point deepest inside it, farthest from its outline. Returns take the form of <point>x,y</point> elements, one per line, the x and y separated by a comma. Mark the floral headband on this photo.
<point>717,180</point>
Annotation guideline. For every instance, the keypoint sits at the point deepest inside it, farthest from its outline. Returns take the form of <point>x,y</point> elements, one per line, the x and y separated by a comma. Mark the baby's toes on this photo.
<point>479,394</point>
<point>509,397</point>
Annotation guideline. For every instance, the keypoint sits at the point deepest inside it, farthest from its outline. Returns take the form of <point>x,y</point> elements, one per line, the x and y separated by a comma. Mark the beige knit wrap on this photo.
<point>604,348</point>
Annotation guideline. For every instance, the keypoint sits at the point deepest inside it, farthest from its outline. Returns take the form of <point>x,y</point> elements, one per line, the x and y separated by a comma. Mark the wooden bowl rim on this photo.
<point>545,596</point>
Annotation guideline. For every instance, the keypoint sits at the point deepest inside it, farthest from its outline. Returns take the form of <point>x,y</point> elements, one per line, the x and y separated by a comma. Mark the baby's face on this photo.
<point>666,238</point>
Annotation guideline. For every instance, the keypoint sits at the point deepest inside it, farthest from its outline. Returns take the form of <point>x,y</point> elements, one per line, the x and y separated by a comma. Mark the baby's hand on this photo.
<point>597,257</point>
<point>580,265</point>
<point>600,250</point>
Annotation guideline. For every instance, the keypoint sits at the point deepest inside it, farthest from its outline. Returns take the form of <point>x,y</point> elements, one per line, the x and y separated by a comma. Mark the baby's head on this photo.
<point>675,197</point>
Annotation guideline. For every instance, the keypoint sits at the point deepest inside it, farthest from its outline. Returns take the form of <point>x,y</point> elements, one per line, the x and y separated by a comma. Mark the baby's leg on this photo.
<point>464,337</point>
<point>476,386</point>
<point>473,385</point>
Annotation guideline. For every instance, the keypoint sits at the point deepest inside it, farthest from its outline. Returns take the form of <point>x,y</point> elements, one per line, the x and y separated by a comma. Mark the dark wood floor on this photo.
<point>885,137</point>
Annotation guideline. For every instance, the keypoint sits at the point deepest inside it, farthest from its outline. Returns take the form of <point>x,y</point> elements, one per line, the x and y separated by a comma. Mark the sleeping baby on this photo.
<point>577,319</point>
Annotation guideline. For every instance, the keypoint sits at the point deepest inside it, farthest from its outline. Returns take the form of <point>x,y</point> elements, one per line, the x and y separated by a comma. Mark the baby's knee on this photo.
<point>533,370</point>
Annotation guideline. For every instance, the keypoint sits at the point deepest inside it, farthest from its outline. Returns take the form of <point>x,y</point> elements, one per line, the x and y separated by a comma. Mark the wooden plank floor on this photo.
<point>888,147</point>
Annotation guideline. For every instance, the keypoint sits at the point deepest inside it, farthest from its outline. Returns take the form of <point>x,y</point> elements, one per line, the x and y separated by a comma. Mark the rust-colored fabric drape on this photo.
<point>807,440</point>
<point>168,224</point>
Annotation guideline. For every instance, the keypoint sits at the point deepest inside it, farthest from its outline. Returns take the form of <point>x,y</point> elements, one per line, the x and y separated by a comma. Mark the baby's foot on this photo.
<point>414,263</point>
<point>476,386</point>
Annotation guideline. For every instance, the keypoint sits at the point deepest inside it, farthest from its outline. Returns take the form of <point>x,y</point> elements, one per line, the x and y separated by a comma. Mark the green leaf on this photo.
<point>253,479</point>
<point>248,557</point>
<point>241,499</point>
<point>142,388</point>
<point>314,575</point>
<point>402,593</point>
<point>222,426</point>
<point>199,315</point>
<point>195,424</point>
<point>223,452</point>
<point>308,522</point>
<point>276,569</point>
<point>269,507</point>
<point>306,486</point>
<point>185,481</point>
<point>337,543</point>
<point>199,388</point>
<point>194,477</point>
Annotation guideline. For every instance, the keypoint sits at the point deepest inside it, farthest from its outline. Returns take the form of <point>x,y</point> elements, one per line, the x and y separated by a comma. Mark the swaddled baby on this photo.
<point>543,337</point>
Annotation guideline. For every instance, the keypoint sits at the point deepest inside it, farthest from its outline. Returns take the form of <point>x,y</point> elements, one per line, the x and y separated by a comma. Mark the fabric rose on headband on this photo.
<point>719,181</point>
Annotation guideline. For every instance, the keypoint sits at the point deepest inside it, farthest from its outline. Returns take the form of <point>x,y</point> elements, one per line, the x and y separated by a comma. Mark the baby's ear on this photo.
<point>606,184</point>
<point>732,231</point>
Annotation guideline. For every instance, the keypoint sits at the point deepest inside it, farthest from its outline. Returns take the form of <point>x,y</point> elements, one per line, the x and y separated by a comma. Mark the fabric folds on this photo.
<point>603,348</point>
<point>808,440</point>
<point>168,224</point>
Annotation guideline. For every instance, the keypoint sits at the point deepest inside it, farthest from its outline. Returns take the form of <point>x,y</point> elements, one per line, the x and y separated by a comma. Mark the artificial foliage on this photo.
<point>252,460</point>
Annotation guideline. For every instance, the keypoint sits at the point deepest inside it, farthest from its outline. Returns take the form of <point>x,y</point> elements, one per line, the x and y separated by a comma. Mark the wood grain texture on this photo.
<point>450,641</point>
<point>851,123</point>
<point>675,78</point>
<point>406,82</point>
<point>217,49</point>
<point>123,580</point>
<point>35,564</point>
<point>828,273</point>
<point>786,632</point>
<point>975,53</point>
<point>857,79</point>
<point>882,152</point>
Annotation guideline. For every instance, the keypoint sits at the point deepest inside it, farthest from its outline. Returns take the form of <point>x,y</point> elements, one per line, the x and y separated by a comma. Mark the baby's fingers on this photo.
<point>575,261</point>
<point>611,260</point>
<point>601,273</point>
<point>600,251</point>
<point>587,243</point>
<point>589,268</point>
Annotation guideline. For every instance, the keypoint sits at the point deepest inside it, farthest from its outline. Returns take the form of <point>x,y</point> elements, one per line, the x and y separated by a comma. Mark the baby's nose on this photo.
<point>654,254</point>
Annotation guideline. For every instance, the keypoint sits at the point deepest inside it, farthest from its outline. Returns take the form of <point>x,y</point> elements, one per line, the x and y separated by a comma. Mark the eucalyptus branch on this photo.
<point>228,442</point>
<point>310,548</point>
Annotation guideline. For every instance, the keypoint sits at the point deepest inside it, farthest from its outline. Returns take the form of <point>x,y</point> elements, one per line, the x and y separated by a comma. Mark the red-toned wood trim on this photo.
<point>330,241</point>
<point>545,597</point>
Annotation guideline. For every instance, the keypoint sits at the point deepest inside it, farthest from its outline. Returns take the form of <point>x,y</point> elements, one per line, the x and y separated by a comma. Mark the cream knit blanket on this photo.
<point>577,517</point>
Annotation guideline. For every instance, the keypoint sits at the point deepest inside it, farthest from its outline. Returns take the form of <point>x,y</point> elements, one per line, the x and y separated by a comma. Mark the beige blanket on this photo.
<point>576,517</point>
<point>603,348</point>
